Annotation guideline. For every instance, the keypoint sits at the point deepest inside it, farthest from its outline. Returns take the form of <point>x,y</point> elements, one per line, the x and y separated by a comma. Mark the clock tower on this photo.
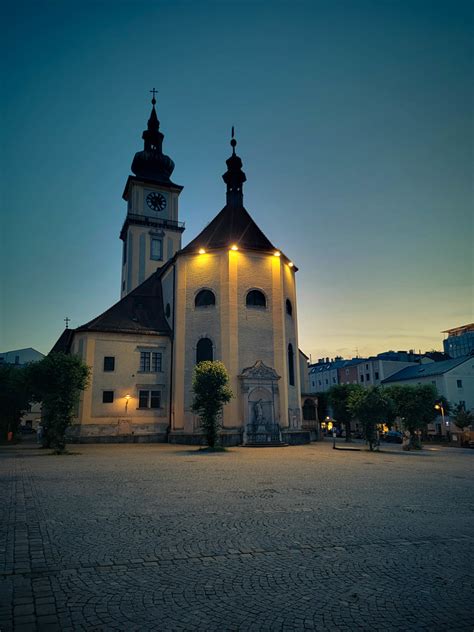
<point>151,233</point>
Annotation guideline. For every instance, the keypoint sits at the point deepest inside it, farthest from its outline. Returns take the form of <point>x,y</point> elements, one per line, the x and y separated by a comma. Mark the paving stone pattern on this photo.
<point>158,537</point>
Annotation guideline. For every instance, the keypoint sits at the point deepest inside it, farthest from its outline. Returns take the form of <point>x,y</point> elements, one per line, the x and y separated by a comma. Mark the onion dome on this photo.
<point>234,177</point>
<point>152,163</point>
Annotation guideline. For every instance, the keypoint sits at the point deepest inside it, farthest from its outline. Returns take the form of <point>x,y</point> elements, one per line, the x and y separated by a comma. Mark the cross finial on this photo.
<point>233,142</point>
<point>154,92</point>
<point>67,321</point>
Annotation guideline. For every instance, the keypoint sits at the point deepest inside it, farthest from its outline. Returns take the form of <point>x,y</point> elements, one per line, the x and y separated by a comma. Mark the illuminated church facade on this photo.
<point>228,295</point>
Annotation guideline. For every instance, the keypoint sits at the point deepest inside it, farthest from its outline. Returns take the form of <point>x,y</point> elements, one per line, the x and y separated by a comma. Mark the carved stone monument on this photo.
<point>261,405</point>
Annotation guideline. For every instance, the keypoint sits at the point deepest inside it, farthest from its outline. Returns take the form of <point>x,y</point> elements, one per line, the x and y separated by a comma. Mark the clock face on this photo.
<point>156,201</point>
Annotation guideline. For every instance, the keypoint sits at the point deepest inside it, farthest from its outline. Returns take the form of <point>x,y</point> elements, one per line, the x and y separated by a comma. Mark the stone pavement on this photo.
<point>158,537</point>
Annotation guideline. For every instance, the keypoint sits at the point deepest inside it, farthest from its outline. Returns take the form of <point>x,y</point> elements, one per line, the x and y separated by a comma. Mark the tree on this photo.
<point>211,391</point>
<point>415,405</point>
<point>338,397</point>
<point>57,382</point>
<point>322,405</point>
<point>15,397</point>
<point>462,418</point>
<point>371,406</point>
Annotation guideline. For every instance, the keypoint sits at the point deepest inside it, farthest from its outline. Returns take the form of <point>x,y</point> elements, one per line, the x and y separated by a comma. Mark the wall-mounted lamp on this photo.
<point>127,398</point>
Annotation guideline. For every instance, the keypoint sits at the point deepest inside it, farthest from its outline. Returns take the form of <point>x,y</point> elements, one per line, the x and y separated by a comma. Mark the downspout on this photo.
<point>172,354</point>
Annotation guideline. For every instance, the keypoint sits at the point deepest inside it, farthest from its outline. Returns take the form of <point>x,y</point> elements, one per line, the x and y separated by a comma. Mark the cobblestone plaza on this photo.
<point>160,537</point>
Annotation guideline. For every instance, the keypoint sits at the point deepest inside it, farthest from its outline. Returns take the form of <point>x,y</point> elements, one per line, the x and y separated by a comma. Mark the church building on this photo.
<point>228,295</point>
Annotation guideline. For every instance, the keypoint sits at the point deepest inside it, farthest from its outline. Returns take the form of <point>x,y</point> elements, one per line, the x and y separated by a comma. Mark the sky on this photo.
<point>354,121</point>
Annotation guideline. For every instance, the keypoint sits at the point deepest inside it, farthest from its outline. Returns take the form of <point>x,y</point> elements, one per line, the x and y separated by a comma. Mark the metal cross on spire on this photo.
<point>154,93</point>
<point>67,320</point>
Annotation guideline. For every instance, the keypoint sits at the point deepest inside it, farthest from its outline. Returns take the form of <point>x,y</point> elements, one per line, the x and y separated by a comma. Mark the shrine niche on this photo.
<point>261,404</point>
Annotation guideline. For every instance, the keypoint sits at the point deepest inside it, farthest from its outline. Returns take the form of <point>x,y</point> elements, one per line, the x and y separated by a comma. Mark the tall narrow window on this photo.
<point>156,249</point>
<point>204,350</point>
<point>291,367</point>
<point>124,257</point>
<point>289,307</point>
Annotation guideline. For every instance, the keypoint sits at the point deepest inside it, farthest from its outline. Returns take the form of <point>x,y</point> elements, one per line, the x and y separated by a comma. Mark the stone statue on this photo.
<point>258,413</point>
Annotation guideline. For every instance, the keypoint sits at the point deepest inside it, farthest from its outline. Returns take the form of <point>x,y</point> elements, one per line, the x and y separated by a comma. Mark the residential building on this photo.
<point>460,341</point>
<point>20,356</point>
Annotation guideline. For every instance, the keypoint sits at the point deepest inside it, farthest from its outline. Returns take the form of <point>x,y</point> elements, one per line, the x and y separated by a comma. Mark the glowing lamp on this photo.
<point>277,253</point>
<point>234,247</point>
<point>202,251</point>
<point>291,264</point>
<point>127,397</point>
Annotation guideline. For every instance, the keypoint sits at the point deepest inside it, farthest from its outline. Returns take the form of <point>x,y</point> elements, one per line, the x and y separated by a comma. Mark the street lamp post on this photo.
<point>441,408</point>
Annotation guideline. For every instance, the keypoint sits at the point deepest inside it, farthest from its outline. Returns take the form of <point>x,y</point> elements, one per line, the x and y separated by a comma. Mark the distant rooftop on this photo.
<point>458,331</point>
<point>426,370</point>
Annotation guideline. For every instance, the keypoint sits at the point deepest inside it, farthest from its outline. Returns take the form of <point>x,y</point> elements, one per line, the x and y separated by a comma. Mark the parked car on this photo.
<point>392,436</point>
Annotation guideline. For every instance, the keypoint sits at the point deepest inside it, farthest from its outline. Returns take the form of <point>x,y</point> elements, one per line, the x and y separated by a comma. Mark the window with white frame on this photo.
<point>150,361</point>
<point>149,398</point>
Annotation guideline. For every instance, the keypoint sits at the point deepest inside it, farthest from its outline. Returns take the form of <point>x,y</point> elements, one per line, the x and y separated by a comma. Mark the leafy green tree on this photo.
<point>57,382</point>
<point>415,405</point>
<point>371,406</point>
<point>211,391</point>
<point>338,398</point>
<point>322,405</point>
<point>15,397</point>
<point>462,418</point>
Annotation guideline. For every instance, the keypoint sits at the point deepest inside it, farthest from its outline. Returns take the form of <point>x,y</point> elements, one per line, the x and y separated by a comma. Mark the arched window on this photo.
<point>291,365</point>
<point>204,350</point>
<point>255,298</point>
<point>204,298</point>
<point>289,307</point>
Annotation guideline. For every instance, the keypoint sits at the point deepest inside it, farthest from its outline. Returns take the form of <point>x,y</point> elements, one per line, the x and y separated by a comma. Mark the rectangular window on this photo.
<point>334,380</point>
<point>376,375</point>
<point>155,399</point>
<point>361,378</point>
<point>149,399</point>
<point>156,249</point>
<point>145,357</point>
<point>367,377</point>
<point>109,363</point>
<point>143,399</point>
<point>150,361</point>
<point>320,383</point>
<point>366,366</point>
<point>327,382</point>
<point>459,383</point>
<point>107,397</point>
<point>155,361</point>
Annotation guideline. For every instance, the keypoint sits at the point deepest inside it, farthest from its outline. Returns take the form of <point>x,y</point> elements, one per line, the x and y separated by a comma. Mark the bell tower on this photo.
<point>151,233</point>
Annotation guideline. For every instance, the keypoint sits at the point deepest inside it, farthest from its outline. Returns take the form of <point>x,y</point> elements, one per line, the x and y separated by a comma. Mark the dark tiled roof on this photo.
<point>425,370</point>
<point>63,343</point>
<point>233,225</point>
<point>140,312</point>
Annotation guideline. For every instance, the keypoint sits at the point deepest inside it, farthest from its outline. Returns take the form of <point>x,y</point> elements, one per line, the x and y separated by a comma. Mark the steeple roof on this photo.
<point>233,225</point>
<point>151,163</point>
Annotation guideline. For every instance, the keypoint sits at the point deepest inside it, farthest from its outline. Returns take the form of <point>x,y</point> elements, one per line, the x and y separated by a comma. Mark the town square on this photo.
<point>236,316</point>
<point>160,537</point>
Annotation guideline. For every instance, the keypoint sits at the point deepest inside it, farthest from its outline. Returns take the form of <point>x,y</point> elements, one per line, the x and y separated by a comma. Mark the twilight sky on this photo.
<point>354,122</point>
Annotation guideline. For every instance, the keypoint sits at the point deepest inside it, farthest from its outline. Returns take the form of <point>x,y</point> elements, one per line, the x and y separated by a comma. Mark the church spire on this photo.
<point>152,163</point>
<point>234,177</point>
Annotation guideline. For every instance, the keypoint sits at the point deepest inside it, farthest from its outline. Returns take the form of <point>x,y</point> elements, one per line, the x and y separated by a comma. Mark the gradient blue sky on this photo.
<point>354,123</point>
